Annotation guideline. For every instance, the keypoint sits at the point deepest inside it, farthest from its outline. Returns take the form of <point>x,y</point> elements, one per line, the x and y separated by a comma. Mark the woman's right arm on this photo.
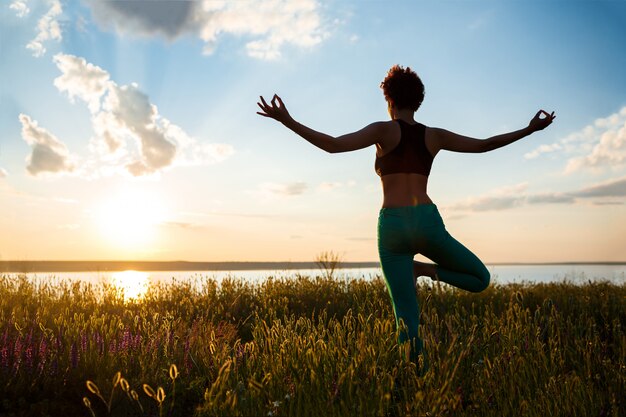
<point>369,135</point>
<point>451,141</point>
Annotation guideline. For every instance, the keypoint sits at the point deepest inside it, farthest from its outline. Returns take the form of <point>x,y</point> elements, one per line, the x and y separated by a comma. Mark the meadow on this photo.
<point>309,346</point>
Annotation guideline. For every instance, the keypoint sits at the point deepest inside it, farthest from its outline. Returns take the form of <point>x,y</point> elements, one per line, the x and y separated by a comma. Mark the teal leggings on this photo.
<point>404,232</point>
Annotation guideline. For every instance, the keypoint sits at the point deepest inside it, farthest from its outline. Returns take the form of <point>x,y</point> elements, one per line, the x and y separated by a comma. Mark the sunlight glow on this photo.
<point>133,284</point>
<point>130,218</point>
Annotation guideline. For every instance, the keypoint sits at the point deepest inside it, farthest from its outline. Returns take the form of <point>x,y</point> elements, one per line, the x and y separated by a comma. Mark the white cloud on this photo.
<point>3,173</point>
<point>20,7</point>
<point>49,154</point>
<point>69,226</point>
<point>284,190</point>
<point>597,147</point>
<point>609,152</point>
<point>516,196</point>
<point>329,186</point>
<point>269,24</point>
<point>498,199</point>
<point>543,149</point>
<point>611,188</point>
<point>81,79</point>
<point>48,27</point>
<point>130,132</point>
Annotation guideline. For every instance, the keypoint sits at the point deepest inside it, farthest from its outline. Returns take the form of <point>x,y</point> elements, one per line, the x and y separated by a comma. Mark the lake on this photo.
<point>501,274</point>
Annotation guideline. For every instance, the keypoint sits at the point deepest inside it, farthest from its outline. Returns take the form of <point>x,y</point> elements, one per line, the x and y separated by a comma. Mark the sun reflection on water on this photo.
<point>134,284</point>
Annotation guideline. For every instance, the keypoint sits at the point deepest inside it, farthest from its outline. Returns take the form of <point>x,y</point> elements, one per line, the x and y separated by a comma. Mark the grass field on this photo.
<point>309,347</point>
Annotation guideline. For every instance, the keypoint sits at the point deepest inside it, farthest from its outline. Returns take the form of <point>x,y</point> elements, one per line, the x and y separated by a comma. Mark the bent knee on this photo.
<point>484,278</point>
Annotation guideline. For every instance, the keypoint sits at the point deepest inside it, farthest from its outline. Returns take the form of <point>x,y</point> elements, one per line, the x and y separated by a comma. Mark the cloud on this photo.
<point>598,146</point>
<point>609,152</point>
<point>499,199</point>
<point>330,186</point>
<point>611,188</point>
<point>169,19</point>
<point>181,225</point>
<point>81,79</point>
<point>129,131</point>
<point>20,7</point>
<point>69,226</point>
<point>48,27</point>
<point>3,173</point>
<point>516,196</point>
<point>284,190</point>
<point>49,154</point>
<point>543,149</point>
<point>269,24</point>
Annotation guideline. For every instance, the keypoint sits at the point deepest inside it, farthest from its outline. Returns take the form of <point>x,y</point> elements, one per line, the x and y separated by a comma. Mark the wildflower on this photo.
<point>276,404</point>
<point>83,342</point>
<point>74,355</point>
<point>29,357</point>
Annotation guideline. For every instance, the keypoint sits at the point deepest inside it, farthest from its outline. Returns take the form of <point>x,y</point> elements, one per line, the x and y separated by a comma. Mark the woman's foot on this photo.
<point>421,269</point>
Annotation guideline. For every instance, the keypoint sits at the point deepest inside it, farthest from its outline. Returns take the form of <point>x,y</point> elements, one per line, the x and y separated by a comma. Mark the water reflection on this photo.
<point>134,284</point>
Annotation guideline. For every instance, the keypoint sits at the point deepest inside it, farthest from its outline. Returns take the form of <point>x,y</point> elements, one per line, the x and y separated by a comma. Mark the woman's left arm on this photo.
<point>363,138</point>
<point>458,143</point>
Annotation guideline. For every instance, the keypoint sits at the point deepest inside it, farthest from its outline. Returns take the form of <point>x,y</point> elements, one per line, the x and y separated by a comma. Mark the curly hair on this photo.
<point>403,88</point>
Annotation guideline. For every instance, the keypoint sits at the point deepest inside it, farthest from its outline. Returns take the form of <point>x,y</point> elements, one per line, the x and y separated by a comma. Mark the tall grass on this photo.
<point>307,347</point>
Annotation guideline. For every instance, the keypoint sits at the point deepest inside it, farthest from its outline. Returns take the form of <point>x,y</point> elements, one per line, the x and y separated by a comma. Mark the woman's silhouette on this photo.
<point>409,222</point>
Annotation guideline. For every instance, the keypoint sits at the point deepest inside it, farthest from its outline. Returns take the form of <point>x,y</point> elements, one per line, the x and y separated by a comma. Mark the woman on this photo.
<point>409,222</point>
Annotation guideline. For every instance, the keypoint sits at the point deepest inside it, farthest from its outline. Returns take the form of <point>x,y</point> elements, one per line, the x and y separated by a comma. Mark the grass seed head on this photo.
<point>173,372</point>
<point>86,402</point>
<point>160,394</point>
<point>117,378</point>
<point>93,388</point>
<point>124,384</point>
<point>149,391</point>
<point>134,394</point>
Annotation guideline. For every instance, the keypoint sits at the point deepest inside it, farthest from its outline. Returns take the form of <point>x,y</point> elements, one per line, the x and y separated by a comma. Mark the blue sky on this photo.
<point>134,134</point>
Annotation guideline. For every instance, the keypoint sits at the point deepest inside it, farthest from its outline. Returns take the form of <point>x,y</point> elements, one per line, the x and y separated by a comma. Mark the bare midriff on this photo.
<point>404,189</point>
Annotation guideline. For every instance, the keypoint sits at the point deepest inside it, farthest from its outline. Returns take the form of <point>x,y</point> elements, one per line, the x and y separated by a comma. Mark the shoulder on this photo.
<point>388,133</point>
<point>433,137</point>
<point>384,126</point>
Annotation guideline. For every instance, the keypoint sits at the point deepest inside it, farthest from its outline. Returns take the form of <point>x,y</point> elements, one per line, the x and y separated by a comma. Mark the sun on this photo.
<point>133,284</point>
<point>130,218</point>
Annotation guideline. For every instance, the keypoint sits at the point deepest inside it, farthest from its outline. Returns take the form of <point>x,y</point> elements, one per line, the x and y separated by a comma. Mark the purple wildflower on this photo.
<point>29,357</point>
<point>74,355</point>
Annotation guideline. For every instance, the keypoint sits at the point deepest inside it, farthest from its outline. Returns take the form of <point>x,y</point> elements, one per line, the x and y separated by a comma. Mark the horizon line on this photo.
<point>30,266</point>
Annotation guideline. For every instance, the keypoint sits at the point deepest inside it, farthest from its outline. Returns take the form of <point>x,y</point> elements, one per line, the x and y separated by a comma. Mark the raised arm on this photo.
<point>363,138</point>
<point>457,143</point>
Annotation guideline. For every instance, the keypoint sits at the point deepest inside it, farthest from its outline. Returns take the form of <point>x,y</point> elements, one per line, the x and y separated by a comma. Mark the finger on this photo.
<point>538,114</point>
<point>280,100</point>
<point>264,108</point>
<point>263,114</point>
<point>274,101</point>
<point>263,101</point>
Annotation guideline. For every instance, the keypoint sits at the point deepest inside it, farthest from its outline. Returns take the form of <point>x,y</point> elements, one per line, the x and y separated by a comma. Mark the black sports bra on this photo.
<point>410,156</point>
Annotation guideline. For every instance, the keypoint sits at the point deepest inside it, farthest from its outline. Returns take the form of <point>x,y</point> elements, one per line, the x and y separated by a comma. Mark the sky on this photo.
<point>128,129</point>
